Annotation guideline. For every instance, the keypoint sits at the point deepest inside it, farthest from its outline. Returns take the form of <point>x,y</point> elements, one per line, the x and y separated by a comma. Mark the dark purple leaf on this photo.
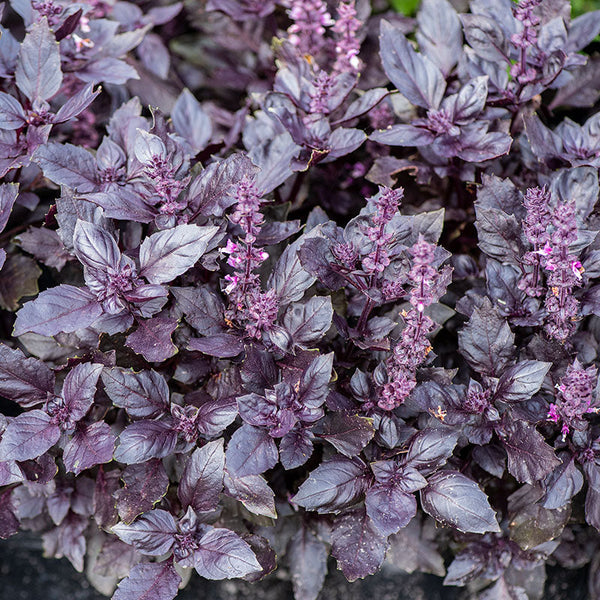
<point>115,559</point>
<point>545,144</point>
<point>357,545</point>
<point>28,436</point>
<point>68,165</point>
<point>201,482</point>
<point>364,103</point>
<point>414,75</point>
<point>10,473</point>
<point>492,458</point>
<point>152,339</point>
<point>273,157</point>
<point>465,567</point>
<point>343,141</point>
<point>457,501</point>
<point>9,524</point>
<point>123,203</point>
<point>45,245</point>
<point>563,483</point>
<point>592,508</point>
<point>307,559</point>
<point>27,381</point>
<point>308,322</point>
<point>148,146</point>
<point>314,384</point>
<point>202,308</point>
<point>152,534</point>
<point>289,279</point>
<point>95,247</point>
<point>144,440</point>
<point>20,276</point>
<point>521,381</point>
<point>253,492</point>
<point>499,235</point>
<point>215,415</point>
<point>501,590</point>
<point>257,410</point>
<point>145,485</point>
<point>222,554</point>
<point>68,26</point>
<point>156,58</point>
<point>167,254</point>
<point>316,258</point>
<point>439,34</point>
<point>67,540</point>
<point>108,70</point>
<point>259,371</point>
<point>38,74</point>
<point>8,195</point>
<point>414,548</point>
<point>530,459</point>
<point>104,504</point>
<point>149,581</point>
<point>79,389</point>
<point>501,194</point>
<point>583,89</point>
<point>12,115</point>
<point>64,308</point>
<point>295,448</point>
<point>276,231</point>
<point>76,104</point>
<point>431,448</point>
<point>404,478</point>
<point>389,508</point>
<point>486,37</point>
<point>40,470</point>
<point>336,484</point>
<point>90,446</point>
<point>251,451</point>
<point>349,434</point>
<point>530,523</point>
<point>583,30</point>
<point>221,345</point>
<point>484,146</point>
<point>209,193</point>
<point>264,554</point>
<point>403,135</point>
<point>142,395</point>
<point>487,341</point>
<point>191,122</point>
<point>470,101</point>
<point>59,503</point>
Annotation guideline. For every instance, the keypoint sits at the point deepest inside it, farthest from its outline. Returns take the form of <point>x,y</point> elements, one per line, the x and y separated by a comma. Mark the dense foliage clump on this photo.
<point>289,279</point>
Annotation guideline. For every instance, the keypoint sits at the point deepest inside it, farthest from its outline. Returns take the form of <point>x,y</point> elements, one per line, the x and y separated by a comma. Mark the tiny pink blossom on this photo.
<point>231,247</point>
<point>552,414</point>
<point>233,281</point>
<point>577,269</point>
<point>545,251</point>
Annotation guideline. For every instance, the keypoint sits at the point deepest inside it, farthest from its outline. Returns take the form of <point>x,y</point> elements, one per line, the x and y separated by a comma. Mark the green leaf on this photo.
<point>406,7</point>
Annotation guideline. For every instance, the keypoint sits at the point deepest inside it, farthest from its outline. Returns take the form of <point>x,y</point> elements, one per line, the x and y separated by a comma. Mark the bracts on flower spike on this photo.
<point>257,309</point>
<point>576,397</point>
<point>413,347</point>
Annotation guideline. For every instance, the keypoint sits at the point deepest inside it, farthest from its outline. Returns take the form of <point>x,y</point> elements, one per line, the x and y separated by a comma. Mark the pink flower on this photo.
<point>577,268</point>
<point>545,251</point>
<point>233,281</point>
<point>231,247</point>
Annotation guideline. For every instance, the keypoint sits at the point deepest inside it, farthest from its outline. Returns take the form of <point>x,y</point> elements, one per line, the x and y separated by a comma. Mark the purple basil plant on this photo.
<point>302,283</point>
